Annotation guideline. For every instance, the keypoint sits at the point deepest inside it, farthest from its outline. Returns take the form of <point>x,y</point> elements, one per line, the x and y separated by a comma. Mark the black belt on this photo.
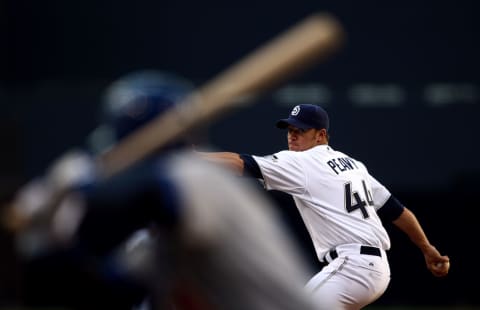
<point>364,249</point>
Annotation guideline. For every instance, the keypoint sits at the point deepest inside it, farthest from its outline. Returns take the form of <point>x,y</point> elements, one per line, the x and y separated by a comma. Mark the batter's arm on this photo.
<point>438,264</point>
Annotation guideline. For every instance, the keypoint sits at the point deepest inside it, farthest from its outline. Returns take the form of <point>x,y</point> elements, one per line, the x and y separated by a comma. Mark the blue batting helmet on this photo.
<point>133,100</point>
<point>138,97</point>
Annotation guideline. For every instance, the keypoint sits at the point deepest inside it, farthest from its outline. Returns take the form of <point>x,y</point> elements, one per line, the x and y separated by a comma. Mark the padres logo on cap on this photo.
<point>296,110</point>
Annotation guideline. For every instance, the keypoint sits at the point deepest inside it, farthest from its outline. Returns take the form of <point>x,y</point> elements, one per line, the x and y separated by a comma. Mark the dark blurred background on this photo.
<point>403,95</point>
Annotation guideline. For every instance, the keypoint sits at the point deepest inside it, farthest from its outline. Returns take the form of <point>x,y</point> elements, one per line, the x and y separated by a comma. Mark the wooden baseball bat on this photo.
<point>308,42</point>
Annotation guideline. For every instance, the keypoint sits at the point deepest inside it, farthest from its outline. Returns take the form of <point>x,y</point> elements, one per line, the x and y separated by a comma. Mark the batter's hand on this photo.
<point>35,200</point>
<point>438,264</point>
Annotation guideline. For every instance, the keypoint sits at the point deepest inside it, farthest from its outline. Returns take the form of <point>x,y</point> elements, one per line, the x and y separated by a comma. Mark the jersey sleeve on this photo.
<point>379,192</point>
<point>282,171</point>
<point>387,206</point>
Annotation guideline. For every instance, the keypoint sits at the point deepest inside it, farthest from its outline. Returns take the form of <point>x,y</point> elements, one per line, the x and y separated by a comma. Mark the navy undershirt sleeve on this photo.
<point>391,210</point>
<point>250,167</point>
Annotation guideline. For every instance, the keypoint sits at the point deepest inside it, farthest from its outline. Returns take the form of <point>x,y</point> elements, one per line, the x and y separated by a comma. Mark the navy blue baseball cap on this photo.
<point>306,116</point>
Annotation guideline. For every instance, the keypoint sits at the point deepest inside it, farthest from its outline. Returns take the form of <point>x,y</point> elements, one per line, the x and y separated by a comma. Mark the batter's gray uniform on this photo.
<point>337,199</point>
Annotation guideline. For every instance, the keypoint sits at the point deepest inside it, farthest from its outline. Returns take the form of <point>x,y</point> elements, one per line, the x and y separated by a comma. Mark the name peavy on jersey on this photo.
<point>342,164</point>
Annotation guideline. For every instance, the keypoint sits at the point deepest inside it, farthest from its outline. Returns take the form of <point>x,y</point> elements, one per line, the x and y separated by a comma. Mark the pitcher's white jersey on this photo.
<point>334,193</point>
